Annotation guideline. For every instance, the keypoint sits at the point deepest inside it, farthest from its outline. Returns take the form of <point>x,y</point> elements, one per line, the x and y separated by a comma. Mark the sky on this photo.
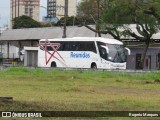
<point>5,11</point>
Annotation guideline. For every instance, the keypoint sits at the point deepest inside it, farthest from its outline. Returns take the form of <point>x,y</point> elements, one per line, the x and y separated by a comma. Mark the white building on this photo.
<point>24,7</point>
<point>72,8</point>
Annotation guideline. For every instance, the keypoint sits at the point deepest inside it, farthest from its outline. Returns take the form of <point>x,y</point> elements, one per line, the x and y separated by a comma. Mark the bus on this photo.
<point>82,52</point>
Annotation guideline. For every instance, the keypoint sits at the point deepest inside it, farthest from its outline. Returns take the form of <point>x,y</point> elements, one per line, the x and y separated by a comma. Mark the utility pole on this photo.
<point>98,17</point>
<point>65,15</point>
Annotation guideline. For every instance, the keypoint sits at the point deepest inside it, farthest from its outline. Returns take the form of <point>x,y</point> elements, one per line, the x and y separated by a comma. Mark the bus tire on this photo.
<point>93,66</point>
<point>53,64</point>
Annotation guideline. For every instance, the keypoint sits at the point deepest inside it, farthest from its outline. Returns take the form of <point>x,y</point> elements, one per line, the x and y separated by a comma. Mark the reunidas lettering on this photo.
<point>80,55</point>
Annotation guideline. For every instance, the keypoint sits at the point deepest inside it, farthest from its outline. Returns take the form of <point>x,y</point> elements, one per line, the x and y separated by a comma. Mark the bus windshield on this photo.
<point>112,52</point>
<point>116,53</point>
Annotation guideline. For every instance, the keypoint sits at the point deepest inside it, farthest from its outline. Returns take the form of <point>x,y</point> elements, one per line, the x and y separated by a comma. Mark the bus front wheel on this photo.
<point>53,64</point>
<point>93,66</point>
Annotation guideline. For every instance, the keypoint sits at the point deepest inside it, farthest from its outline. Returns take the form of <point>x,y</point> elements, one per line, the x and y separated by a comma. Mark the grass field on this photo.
<point>55,90</point>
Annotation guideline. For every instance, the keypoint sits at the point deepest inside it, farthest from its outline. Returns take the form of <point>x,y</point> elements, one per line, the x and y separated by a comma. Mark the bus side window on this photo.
<point>81,46</point>
<point>62,47</point>
<point>93,49</point>
<point>67,46</point>
<point>90,46</point>
<point>49,48</point>
<point>78,46</point>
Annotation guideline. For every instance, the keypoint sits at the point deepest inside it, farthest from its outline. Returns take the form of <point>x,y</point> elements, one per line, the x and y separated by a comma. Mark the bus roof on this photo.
<point>100,39</point>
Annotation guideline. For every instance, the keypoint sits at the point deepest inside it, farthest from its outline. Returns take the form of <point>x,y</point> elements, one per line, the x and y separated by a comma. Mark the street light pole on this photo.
<point>65,15</point>
<point>66,7</point>
<point>98,17</point>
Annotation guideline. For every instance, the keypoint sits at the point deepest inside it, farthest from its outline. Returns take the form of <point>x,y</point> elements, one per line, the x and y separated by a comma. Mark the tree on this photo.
<point>91,10</point>
<point>117,15</point>
<point>94,10</point>
<point>70,21</point>
<point>25,22</point>
<point>142,13</point>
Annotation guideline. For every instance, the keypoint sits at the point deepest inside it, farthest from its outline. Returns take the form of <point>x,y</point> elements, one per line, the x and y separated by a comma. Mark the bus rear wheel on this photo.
<point>93,66</point>
<point>53,64</point>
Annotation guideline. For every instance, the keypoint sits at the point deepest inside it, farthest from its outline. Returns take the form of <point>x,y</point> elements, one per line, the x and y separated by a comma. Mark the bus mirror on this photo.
<point>127,51</point>
<point>107,50</point>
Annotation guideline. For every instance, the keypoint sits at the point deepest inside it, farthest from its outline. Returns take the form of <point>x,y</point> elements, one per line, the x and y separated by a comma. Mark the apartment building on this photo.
<point>24,7</point>
<point>56,8</point>
<point>51,8</point>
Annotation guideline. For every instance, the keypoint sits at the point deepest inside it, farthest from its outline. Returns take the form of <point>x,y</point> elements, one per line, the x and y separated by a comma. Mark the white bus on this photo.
<point>82,52</point>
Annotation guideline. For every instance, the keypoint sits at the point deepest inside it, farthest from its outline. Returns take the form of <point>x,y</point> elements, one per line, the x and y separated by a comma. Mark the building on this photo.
<point>152,59</point>
<point>71,7</point>
<point>51,8</point>
<point>24,7</point>
<point>56,8</point>
<point>29,37</point>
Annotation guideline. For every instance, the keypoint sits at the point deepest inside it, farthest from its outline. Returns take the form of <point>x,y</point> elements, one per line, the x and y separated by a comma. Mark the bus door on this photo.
<point>103,51</point>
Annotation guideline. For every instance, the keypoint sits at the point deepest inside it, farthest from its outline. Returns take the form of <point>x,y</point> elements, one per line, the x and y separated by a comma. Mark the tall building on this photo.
<point>51,8</point>
<point>56,8</point>
<point>25,7</point>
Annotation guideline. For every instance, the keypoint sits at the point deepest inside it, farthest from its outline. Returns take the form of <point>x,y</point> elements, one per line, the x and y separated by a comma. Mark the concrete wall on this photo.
<point>13,51</point>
